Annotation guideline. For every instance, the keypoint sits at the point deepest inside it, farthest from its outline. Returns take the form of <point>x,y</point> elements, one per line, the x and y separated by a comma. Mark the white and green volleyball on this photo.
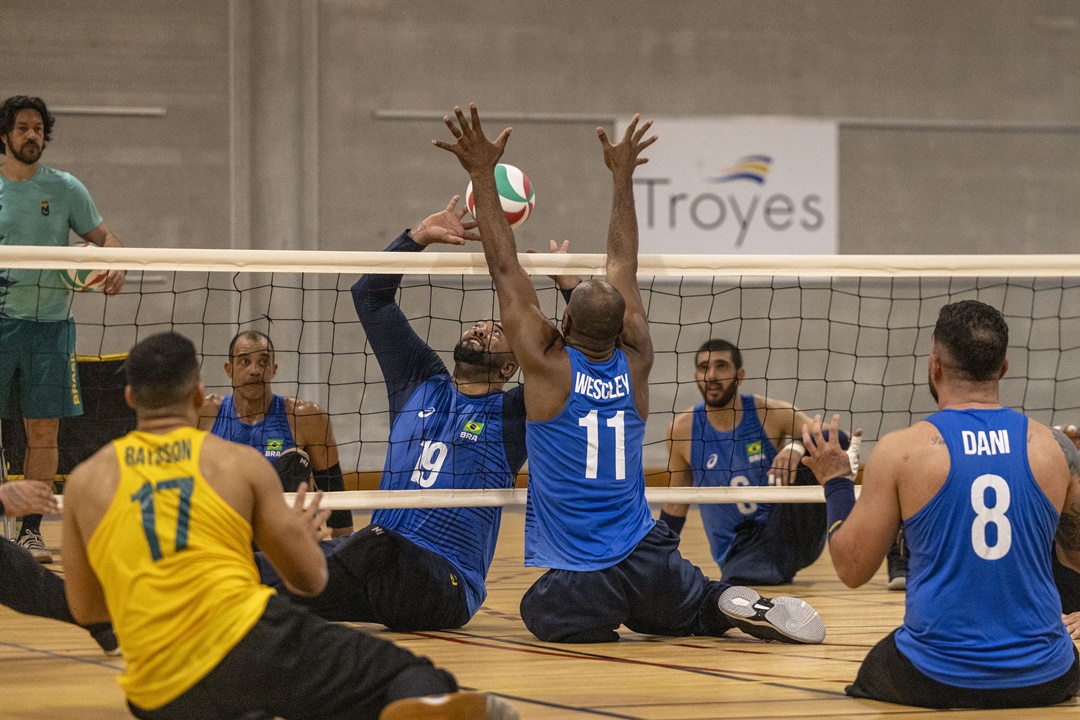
<point>515,192</point>
<point>84,280</point>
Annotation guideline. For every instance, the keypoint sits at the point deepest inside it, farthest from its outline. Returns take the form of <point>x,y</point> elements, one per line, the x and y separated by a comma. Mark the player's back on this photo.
<point>982,608</point>
<point>174,559</point>
<point>586,508</point>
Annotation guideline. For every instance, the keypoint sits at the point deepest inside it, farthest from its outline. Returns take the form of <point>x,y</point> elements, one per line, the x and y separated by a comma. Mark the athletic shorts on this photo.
<point>888,675</point>
<point>655,591</point>
<point>379,575</point>
<point>39,359</point>
<point>295,665</point>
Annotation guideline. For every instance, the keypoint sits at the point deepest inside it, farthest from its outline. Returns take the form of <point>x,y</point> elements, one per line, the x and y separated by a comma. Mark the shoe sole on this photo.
<point>783,619</point>
<point>897,583</point>
<point>458,706</point>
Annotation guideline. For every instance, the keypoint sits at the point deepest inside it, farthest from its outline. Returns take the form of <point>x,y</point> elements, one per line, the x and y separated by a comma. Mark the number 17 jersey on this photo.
<point>586,508</point>
<point>174,559</point>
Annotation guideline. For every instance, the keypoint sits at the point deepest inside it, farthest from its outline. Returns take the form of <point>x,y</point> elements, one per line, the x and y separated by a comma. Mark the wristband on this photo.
<point>796,446</point>
<point>331,480</point>
<point>839,500</point>
<point>673,521</point>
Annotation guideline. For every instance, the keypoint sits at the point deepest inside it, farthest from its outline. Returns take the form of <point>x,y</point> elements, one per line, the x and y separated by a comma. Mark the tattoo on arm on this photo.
<point>1072,454</point>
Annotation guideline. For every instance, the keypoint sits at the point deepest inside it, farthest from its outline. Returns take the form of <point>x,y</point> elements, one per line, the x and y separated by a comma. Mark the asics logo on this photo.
<point>425,412</point>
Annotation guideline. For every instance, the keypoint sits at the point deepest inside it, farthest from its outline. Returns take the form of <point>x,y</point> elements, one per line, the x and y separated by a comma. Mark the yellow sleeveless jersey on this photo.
<point>176,564</point>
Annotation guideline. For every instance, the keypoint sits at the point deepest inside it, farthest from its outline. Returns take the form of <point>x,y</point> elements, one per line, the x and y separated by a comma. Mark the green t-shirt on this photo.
<point>41,211</point>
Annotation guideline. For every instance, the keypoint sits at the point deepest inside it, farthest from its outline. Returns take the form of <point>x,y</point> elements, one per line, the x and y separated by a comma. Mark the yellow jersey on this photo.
<point>176,564</point>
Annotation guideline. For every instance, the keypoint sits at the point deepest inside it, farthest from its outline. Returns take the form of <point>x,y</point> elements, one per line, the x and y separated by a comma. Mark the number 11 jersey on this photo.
<point>586,508</point>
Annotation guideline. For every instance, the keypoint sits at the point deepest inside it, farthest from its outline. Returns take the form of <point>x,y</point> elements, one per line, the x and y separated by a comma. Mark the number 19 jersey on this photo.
<point>175,562</point>
<point>982,608</point>
<point>586,508</point>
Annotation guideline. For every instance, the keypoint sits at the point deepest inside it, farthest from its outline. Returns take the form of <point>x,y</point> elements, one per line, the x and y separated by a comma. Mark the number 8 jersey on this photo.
<point>982,608</point>
<point>175,562</point>
<point>586,508</point>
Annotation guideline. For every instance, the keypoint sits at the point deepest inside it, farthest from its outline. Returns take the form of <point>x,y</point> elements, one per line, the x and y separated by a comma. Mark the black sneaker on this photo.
<point>896,562</point>
<point>784,619</point>
<point>105,637</point>
<point>31,542</point>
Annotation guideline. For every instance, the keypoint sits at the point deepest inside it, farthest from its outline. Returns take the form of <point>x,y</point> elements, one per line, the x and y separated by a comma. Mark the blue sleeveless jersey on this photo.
<point>739,458</point>
<point>982,607</point>
<point>444,439</point>
<point>271,436</point>
<point>586,508</point>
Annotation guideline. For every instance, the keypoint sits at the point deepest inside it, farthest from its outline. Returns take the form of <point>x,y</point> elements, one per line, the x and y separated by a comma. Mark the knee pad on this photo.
<point>293,468</point>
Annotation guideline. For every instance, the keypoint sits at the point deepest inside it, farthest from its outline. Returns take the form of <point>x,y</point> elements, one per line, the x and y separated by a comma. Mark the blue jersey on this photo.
<point>271,436</point>
<point>428,434</point>
<point>982,608</point>
<point>587,508</point>
<point>445,439</point>
<point>739,458</point>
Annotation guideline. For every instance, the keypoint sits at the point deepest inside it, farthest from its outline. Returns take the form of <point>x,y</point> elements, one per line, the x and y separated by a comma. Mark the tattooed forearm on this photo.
<point>1068,532</point>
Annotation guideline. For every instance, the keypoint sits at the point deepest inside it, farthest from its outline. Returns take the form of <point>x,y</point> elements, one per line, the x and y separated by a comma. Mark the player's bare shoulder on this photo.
<point>682,425</point>
<point>101,468</point>
<point>296,407</point>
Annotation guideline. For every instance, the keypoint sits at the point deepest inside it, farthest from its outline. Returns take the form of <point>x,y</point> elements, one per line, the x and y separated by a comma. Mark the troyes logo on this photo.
<point>744,206</point>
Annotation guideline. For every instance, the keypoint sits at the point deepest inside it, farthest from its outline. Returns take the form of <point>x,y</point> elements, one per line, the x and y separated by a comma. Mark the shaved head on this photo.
<point>596,312</point>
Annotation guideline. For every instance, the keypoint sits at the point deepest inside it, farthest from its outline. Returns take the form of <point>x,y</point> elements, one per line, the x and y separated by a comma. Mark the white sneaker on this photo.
<point>30,540</point>
<point>785,619</point>
<point>456,706</point>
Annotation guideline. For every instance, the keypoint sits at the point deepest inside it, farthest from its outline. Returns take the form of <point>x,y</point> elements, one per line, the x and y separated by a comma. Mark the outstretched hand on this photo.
<point>825,457</point>
<point>445,226</point>
<point>622,157</point>
<point>27,497</point>
<point>314,518</point>
<point>563,282</point>
<point>474,151</point>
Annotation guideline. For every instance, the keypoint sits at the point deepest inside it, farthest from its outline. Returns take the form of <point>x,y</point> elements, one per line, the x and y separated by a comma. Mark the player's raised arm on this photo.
<point>622,244</point>
<point>530,332</point>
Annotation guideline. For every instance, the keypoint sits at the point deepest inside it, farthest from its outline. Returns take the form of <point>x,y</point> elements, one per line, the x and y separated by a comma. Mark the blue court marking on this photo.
<point>62,656</point>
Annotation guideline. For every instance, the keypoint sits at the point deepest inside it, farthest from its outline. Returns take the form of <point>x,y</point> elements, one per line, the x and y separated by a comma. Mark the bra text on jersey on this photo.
<point>602,389</point>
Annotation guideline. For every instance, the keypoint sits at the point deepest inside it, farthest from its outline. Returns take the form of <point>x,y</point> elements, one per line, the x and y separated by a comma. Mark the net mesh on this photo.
<point>853,345</point>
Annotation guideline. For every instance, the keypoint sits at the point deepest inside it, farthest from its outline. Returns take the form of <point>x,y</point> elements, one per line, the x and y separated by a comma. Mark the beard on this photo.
<point>28,154</point>
<point>726,396</point>
<point>477,357</point>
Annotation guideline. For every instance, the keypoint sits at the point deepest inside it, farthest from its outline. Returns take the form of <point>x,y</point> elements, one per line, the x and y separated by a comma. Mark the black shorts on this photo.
<point>654,591</point>
<point>378,575</point>
<point>791,538</point>
<point>295,665</point>
<point>1068,585</point>
<point>888,675</point>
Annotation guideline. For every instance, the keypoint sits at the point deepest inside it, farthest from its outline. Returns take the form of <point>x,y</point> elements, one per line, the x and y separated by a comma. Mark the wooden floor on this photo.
<point>52,671</point>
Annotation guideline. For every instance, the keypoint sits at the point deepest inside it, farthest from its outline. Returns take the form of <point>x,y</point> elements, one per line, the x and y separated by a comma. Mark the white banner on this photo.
<point>740,185</point>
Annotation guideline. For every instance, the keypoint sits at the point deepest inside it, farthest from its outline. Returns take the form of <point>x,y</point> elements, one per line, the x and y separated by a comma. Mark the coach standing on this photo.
<point>40,206</point>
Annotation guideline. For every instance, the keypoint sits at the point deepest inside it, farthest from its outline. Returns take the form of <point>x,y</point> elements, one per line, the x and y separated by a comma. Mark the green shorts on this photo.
<point>39,359</point>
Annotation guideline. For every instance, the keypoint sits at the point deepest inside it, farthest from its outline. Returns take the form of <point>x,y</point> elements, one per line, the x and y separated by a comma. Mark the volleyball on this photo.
<point>84,280</point>
<point>515,192</point>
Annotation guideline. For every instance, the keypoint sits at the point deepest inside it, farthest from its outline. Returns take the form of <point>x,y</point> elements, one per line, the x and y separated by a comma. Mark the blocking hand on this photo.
<point>474,151</point>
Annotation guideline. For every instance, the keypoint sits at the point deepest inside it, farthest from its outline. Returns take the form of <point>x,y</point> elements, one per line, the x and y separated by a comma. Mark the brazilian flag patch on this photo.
<point>276,444</point>
<point>474,428</point>
<point>753,448</point>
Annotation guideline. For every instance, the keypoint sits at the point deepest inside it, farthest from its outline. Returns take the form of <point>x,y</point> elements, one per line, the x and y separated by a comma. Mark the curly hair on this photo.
<point>975,336</point>
<point>10,109</point>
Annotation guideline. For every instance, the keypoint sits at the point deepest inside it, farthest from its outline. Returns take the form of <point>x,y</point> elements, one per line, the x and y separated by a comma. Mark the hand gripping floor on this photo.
<point>784,619</point>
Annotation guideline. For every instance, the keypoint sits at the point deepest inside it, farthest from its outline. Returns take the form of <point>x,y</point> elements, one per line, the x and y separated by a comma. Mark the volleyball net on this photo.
<point>831,334</point>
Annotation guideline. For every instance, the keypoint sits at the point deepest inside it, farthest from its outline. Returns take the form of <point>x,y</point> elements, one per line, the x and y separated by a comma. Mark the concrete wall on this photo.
<point>270,138</point>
